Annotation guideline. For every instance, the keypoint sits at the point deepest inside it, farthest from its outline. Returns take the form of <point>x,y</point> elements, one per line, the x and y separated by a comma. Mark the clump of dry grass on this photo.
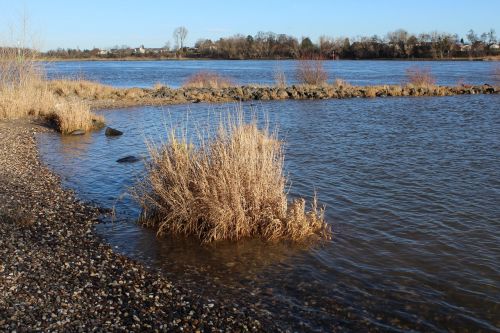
<point>420,77</point>
<point>341,83</point>
<point>70,116</point>
<point>311,72</point>
<point>207,79</point>
<point>82,89</point>
<point>371,91</point>
<point>22,92</point>
<point>25,92</point>
<point>230,186</point>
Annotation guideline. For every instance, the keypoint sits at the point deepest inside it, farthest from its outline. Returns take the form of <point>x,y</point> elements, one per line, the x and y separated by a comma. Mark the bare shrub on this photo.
<point>419,76</point>
<point>207,79</point>
<point>228,187</point>
<point>312,72</point>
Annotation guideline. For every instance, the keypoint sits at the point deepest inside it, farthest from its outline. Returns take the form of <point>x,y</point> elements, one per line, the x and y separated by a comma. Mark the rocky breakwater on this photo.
<point>101,96</point>
<point>57,275</point>
<point>248,93</point>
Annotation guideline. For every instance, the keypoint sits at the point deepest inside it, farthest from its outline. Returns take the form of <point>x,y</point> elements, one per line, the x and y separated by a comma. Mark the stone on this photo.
<point>77,132</point>
<point>128,159</point>
<point>112,132</point>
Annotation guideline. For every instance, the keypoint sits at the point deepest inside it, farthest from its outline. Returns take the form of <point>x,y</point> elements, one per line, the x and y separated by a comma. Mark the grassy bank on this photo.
<point>24,92</point>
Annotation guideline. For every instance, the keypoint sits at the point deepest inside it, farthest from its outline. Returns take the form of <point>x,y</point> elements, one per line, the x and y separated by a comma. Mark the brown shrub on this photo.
<point>420,77</point>
<point>229,187</point>
<point>311,71</point>
<point>207,79</point>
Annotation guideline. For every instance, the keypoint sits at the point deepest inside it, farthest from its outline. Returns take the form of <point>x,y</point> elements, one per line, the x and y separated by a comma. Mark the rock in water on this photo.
<point>128,159</point>
<point>112,132</point>
<point>77,132</point>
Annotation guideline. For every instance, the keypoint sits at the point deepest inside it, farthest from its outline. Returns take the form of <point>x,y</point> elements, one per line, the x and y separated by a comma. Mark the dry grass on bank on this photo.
<point>207,79</point>
<point>229,187</point>
<point>74,115</point>
<point>280,78</point>
<point>25,92</point>
<point>82,89</point>
<point>420,77</point>
<point>311,72</point>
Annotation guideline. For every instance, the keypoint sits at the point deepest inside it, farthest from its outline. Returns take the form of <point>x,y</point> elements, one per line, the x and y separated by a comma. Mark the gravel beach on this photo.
<point>57,275</point>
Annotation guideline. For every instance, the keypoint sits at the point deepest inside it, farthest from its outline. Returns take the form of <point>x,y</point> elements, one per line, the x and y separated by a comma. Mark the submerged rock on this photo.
<point>77,132</point>
<point>128,159</point>
<point>112,132</point>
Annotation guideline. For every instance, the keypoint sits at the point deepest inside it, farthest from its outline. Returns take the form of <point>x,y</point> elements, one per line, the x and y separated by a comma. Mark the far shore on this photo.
<point>54,59</point>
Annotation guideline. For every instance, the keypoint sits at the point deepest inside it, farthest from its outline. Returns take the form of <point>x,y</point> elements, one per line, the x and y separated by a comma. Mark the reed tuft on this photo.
<point>25,92</point>
<point>228,187</point>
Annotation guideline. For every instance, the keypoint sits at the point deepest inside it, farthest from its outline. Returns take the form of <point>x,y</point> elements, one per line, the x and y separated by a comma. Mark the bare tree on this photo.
<point>180,35</point>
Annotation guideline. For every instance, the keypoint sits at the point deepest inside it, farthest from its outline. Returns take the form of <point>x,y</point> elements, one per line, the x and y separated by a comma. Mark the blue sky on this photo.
<point>105,23</point>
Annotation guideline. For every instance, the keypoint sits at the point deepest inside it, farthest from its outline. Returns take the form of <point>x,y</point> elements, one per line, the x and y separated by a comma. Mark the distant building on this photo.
<point>494,46</point>
<point>140,50</point>
<point>465,47</point>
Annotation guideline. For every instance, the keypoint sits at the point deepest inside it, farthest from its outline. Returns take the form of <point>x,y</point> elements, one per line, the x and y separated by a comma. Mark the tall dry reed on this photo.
<point>25,92</point>
<point>229,186</point>
<point>280,77</point>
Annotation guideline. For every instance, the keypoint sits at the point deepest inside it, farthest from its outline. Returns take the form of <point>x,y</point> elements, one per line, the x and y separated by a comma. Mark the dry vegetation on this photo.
<point>25,92</point>
<point>280,77</point>
<point>420,77</point>
<point>207,79</point>
<point>228,187</point>
<point>311,72</point>
<point>496,75</point>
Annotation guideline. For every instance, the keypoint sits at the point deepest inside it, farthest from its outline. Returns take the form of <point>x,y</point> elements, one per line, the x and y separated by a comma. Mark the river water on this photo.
<point>411,188</point>
<point>174,73</point>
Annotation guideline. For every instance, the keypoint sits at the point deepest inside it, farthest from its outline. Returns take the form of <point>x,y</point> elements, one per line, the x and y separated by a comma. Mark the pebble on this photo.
<point>57,275</point>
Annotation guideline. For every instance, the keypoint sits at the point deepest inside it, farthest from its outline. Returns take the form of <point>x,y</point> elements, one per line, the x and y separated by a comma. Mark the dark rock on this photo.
<point>128,159</point>
<point>112,132</point>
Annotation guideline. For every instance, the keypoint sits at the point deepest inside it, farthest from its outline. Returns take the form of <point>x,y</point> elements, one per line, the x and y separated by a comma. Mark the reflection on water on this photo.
<point>411,187</point>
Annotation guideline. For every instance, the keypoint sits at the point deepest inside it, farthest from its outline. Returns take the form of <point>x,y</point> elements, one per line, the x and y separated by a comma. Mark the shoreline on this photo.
<point>57,274</point>
<point>487,58</point>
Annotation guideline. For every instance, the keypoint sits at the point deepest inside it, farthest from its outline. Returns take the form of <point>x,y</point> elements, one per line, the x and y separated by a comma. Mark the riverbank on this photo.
<point>57,275</point>
<point>55,59</point>
<point>101,96</point>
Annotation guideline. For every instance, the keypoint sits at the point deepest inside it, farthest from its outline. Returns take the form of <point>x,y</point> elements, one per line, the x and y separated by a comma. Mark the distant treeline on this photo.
<point>398,44</point>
